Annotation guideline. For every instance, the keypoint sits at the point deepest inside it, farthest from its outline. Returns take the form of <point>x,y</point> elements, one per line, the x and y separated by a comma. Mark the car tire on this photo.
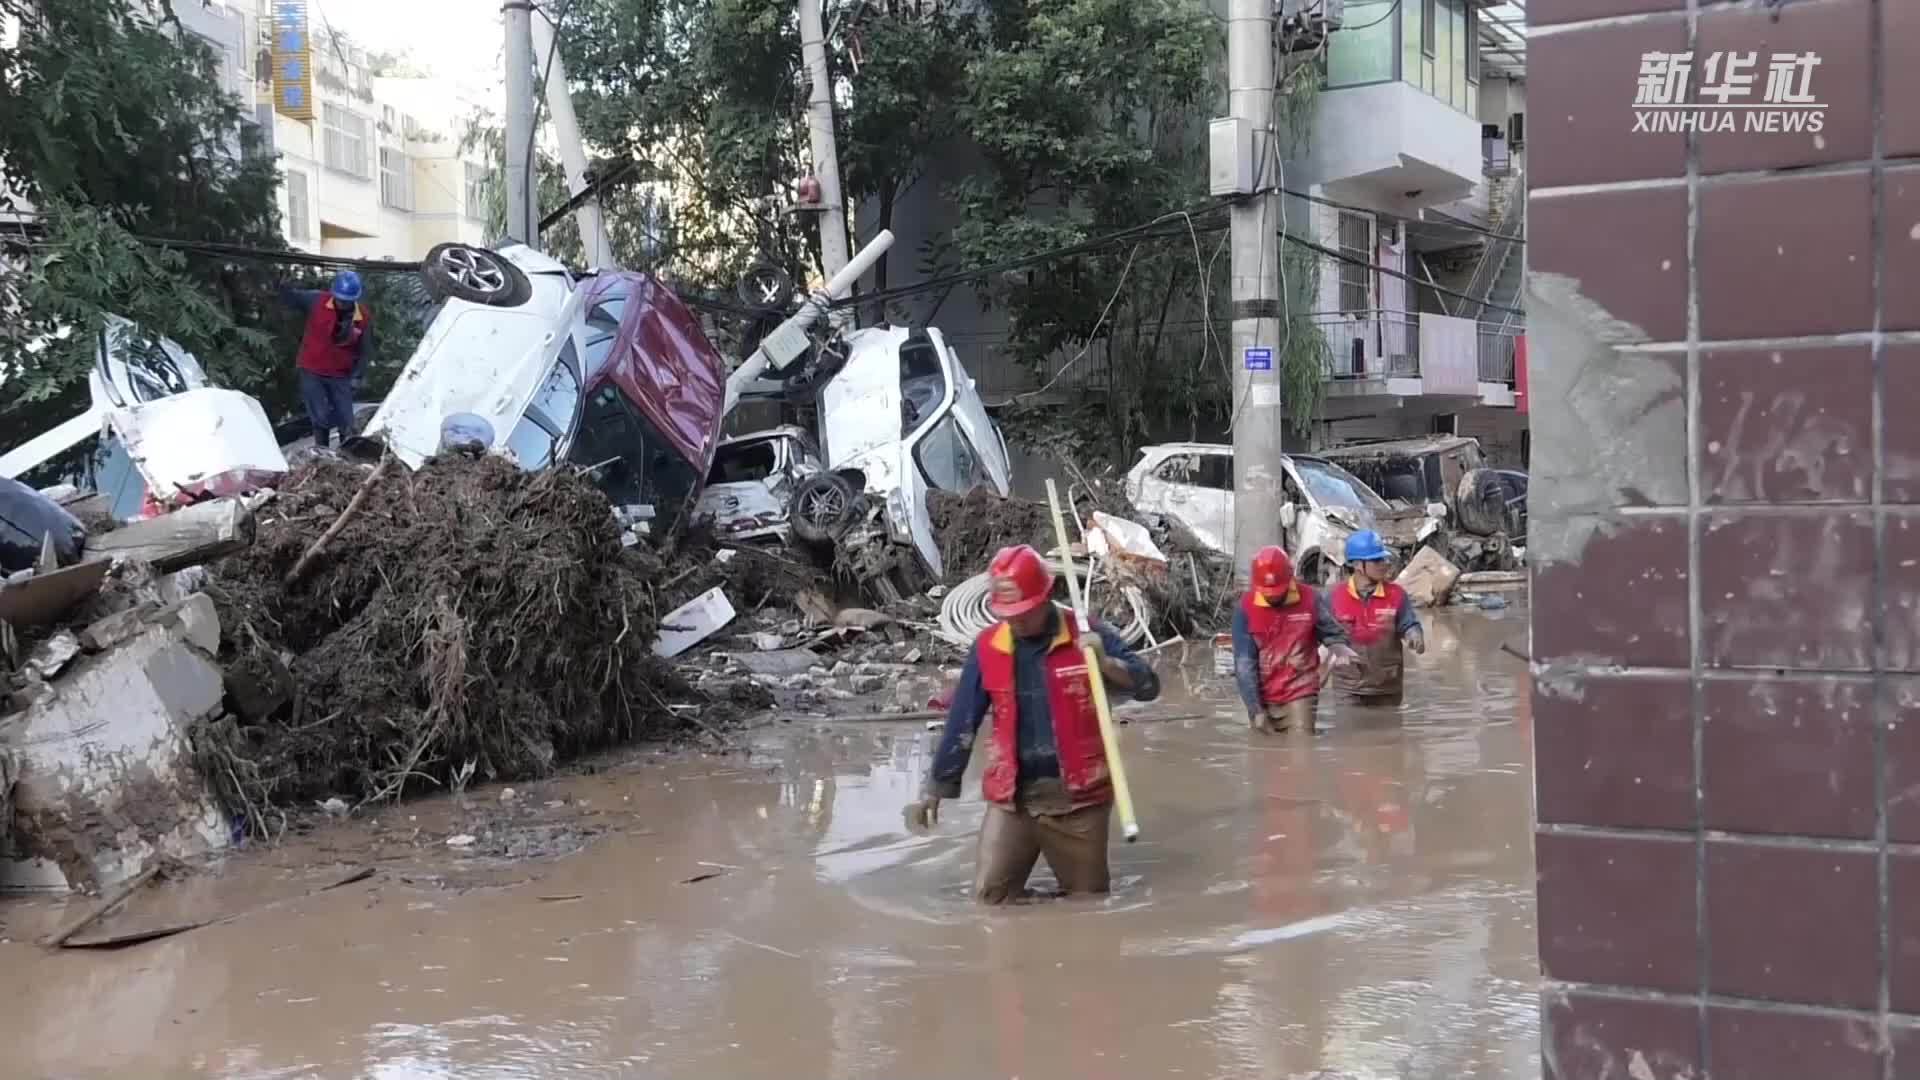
<point>476,275</point>
<point>1318,571</point>
<point>1482,503</point>
<point>822,507</point>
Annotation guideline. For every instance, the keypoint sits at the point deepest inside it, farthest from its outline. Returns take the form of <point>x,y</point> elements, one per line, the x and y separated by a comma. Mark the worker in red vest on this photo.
<point>1278,628</point>
<point>334,349</point>
<point>1046,780</point>
<point>1379,621</point>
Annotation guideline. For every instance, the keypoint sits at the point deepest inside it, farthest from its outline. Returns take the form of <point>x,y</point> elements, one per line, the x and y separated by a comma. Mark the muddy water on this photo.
<point>1358,903</point>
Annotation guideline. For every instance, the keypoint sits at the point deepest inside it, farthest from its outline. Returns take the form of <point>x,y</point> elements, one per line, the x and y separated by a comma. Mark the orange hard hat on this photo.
<point>1272,572</point>
<point>1022,581</point>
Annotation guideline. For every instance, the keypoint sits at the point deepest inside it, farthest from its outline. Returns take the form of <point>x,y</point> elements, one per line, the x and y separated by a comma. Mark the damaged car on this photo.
<point>610,372</point>
<point>898,416</point>
<point>1484,509</point>
<point>1193,483</point>
<point>156,433</point>
<point>758,489</point>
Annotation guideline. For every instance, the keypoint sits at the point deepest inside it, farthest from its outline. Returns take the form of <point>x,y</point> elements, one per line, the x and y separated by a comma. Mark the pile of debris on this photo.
<point>470,619</point>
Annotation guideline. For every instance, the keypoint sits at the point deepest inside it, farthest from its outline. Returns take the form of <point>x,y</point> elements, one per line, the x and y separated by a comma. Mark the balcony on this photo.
<point>1404,354</point>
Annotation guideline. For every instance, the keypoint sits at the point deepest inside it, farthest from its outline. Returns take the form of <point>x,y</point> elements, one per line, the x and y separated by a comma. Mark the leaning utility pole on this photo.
<point>1257,304</point>
<point>573,154</point>
<point>517,15</point>
<point>833,221</point>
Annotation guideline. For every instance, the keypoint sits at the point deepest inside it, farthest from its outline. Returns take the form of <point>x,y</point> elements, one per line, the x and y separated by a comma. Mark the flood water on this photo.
<point>1353,905</point>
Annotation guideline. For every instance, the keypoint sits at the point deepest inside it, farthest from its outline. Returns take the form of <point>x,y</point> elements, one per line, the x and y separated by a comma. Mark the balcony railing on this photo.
<point>1370,344</point>
<point>1496,352</point>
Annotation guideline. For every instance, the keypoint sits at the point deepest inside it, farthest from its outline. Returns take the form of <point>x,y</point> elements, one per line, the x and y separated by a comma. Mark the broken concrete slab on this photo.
<point>1429,578</point>
<point>693,622</point>
<point>780,662</point>
<point>121,626</point>
<point>106,780</point>
<point>197,534</point>
<point>45,598</point>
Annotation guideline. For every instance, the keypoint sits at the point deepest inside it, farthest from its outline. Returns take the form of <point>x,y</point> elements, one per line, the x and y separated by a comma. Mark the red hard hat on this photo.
<point>1272,572</point>
<point>1022,581</point>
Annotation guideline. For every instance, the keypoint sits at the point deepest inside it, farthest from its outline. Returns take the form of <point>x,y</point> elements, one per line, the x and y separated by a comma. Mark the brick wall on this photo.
<point>1726,473</point>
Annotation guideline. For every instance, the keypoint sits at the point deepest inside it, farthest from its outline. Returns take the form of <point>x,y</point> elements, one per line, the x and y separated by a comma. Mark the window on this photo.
<point>1199,470</point>
<point>1428,18</point>
<point>549,416</point>
<point>1473,43</point>
<point>948,460</point>
<point>479,187</point>
<point>348,138</point>
<point>1363,54</point>
<point>923,383</point>
<point>1332,485</point>
<point>632,463</point>
<point>299,207</point>
<point>753,461</point>
<point>1356,261</point>
<point>396,179</point>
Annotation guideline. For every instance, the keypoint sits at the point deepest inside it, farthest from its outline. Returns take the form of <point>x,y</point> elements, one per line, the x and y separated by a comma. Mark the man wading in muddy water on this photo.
<point>1046,781</point>
<point>1378,619</point>
<point>1278,628</point>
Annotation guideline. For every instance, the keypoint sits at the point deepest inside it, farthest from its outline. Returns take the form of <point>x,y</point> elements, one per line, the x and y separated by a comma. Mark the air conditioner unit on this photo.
<point>1517,130</point>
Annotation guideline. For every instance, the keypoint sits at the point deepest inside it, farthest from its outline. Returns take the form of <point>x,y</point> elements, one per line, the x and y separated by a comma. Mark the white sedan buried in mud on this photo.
<point>1193,483</point>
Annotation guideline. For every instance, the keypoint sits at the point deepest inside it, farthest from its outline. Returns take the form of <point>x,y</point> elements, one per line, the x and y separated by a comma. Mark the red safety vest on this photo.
<point>1076,720</point>
<point>1370,624</point>
<point>1289,645</point>
<point>318,353</point>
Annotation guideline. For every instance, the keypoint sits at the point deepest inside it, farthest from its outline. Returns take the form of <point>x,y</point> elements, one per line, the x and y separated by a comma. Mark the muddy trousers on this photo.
<point>1296,715</point>
<point>1012,840</point>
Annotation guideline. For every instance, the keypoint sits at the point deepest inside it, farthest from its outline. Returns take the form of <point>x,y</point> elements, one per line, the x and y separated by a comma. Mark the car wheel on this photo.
<point>1318,570</point>
<point>765,286</point>
<point>476,275</point>
<point>822,507</point>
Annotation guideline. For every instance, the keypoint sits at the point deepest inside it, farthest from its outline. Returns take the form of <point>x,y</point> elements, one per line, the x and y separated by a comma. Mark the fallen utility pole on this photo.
<point>1257,304</point>
<point>789,341</point>
<point>517,17</point>
<point>573,155</point>
<point>826,163</point>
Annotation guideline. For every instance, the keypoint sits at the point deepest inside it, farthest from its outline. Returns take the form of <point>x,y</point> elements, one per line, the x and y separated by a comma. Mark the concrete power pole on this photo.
<point>573,154</point>
<point>1257,304</point>
<point>517,15</point>
<point>833,223</point>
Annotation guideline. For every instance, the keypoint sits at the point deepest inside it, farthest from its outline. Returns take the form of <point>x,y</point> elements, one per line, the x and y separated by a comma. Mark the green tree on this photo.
<point>114,125</point>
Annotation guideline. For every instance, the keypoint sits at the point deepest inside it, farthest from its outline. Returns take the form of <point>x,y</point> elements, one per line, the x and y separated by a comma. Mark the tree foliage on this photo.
<point>114,126</point>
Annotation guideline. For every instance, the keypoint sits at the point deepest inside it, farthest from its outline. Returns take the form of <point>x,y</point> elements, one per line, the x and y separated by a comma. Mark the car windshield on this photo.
<point>1331,485</point>
<point>747,461</point>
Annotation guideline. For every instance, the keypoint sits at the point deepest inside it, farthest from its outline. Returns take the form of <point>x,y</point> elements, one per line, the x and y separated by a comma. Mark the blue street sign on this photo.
<point>1259,359</point>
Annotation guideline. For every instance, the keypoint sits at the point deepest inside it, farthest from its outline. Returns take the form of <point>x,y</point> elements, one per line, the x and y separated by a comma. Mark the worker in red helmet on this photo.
<point>1046,781</point>
<point>1278,628</point>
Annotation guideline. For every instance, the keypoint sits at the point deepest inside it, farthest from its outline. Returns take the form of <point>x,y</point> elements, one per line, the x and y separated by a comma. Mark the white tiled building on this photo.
<point>378,171</point>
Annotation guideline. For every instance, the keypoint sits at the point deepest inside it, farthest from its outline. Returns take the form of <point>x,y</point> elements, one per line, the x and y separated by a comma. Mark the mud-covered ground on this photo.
<point>1356,905</point>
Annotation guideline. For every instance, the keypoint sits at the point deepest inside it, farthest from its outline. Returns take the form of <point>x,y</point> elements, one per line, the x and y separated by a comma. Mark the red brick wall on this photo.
<point>1725,373</point>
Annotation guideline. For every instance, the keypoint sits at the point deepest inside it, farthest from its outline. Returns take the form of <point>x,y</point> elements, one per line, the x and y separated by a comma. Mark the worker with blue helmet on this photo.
<point>336,341</point>
<point>1379,621</point>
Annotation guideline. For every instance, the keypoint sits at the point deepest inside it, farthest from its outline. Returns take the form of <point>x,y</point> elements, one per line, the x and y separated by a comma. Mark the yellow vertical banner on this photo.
<point>292,61</point>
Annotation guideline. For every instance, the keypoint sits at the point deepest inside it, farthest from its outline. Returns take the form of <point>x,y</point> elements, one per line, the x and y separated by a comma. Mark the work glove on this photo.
<point>923,814</point>
<point>1417,641</point>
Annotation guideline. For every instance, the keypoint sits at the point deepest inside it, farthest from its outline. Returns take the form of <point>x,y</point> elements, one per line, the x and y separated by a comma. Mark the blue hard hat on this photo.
<point>1365,546</point>
<point>346,286</point>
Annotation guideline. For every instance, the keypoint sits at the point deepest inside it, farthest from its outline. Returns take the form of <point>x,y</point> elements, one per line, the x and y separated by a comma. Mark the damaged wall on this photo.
<point>1726,330</point>
<point>103,768</point>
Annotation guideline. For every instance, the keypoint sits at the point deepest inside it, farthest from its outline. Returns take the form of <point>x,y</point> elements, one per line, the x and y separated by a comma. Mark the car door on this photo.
<point>1178,487</point>
<point>1213,497</point>
<point>978,425</point>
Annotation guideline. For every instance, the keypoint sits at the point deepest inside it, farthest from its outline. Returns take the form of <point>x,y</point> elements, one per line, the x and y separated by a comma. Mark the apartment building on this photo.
<point>1417,177</point>
<point>371,167</point>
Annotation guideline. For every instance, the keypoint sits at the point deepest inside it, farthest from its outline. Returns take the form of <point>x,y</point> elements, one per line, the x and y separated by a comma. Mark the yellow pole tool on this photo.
<point>1122,794</point>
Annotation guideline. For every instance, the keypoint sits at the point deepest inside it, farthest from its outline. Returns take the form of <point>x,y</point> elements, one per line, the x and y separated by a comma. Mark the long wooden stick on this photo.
<point>1122,794</point>
<point>333,530</point>
<point>115,899</point>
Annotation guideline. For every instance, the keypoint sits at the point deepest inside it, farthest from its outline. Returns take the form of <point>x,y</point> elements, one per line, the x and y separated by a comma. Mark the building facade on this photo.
<point>371,167</point>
